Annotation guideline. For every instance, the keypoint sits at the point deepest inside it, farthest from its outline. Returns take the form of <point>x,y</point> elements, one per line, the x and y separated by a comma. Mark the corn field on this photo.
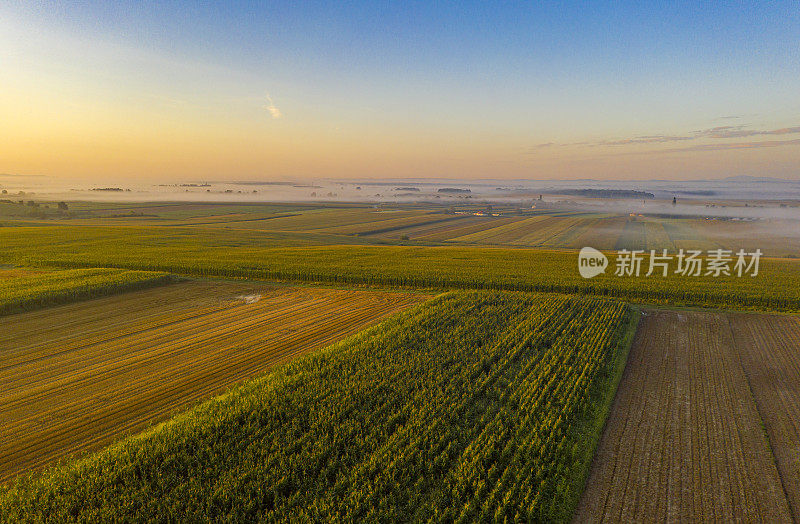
<point>473,406</point>
<point>45,288</point>
<point>295,258</point>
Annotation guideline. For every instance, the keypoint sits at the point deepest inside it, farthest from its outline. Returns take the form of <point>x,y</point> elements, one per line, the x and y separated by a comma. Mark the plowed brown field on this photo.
<point>770,350</point>
<point>684,440</point>
<point>76,377</point>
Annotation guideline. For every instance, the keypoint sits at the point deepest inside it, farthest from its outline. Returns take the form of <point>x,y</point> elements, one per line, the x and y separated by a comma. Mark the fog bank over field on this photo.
<point>734,198</point>
<point>742,210</point>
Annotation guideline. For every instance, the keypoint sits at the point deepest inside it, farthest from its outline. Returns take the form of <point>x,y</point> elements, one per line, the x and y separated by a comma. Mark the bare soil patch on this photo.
<point>684,440</point>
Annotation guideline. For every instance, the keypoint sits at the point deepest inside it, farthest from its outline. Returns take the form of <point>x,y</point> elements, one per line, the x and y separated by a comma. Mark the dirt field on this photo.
<point>684,440</point>
<point>770,349</point>
<point>76,377</point>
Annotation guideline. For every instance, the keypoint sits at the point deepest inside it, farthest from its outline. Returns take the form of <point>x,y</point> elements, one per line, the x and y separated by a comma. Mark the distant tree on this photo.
<point>403,237</point>
<point>62,206</point>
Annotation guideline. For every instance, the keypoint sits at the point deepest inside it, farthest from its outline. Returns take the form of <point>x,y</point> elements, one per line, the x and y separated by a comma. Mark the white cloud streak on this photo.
<point>272,108</point>
<point>714,133</point>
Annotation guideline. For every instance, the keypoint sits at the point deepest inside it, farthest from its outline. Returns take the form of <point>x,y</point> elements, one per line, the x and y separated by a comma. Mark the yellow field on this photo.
<point>465,226</point>
<point>20,273</point>
<point>504,233</point>
<point>342,221</point>
<point>656,236</point>
<point>76,377</point>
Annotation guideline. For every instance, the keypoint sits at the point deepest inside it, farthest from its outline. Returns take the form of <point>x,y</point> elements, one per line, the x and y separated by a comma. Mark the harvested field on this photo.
<point>600,233</point>
<point>500,233</point>
<point>684,439</point>
<point>577,227</point>
<point>542,232</point>
<point>657,237</point>
<point>534,231</point>
<point>446,230</point>
<point>346,221</point>
<point>74,378</point>
<point>685,234</point>
<point>769,346</point>
<point>633,236</point>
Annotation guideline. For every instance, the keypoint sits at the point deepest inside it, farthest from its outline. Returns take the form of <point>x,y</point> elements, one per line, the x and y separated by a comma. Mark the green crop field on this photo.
<point>312,258</point>
<point>473,406</point>
<point>22,290</point>
<point>483,404</point>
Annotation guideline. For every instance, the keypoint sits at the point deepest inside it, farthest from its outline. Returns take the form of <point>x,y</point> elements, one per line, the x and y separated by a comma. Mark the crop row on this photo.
<point>473,406</point>
<point>75,377</point>
<point>53,287</point>
<point>247,254</point>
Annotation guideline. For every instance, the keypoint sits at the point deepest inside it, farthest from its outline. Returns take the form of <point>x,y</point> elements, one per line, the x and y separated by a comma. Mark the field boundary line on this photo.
<point>620,363</point>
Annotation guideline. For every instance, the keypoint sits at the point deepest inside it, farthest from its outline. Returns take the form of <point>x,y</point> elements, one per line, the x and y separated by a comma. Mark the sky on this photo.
<point>302,90</point>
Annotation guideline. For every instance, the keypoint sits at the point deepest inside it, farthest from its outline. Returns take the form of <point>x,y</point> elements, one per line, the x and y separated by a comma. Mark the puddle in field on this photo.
<point>249,299</point>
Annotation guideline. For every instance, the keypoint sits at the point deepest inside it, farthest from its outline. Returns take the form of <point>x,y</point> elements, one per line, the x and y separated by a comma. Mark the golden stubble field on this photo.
<point>74,378</point>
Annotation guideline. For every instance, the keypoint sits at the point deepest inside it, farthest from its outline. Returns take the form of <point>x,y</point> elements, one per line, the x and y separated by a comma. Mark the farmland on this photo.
<point>22,289</point>
<point>684,440</point>
<point>77,377</point>
<point>769,346</point>
<point>399,262</point>
<point>289,257</point>
<point>484,403</point>
<point>474,406</point>
<point>428,224</point>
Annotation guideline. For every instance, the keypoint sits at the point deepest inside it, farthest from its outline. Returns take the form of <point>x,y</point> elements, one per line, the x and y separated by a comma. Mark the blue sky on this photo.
<point>401,89</point>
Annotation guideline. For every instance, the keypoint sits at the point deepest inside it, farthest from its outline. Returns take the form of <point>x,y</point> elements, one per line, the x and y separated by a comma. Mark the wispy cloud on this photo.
<point>272,108</point>
<point>735,145</point>
<point>742,131</point>
<point>722,146</point>
<point>719,138</point>
<point>651,139</point>
<point>713,133</point>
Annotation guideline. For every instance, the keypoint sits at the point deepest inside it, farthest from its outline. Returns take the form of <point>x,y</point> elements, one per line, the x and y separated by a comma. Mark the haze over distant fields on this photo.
<point>743,197</point>
<point>157,93</point>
